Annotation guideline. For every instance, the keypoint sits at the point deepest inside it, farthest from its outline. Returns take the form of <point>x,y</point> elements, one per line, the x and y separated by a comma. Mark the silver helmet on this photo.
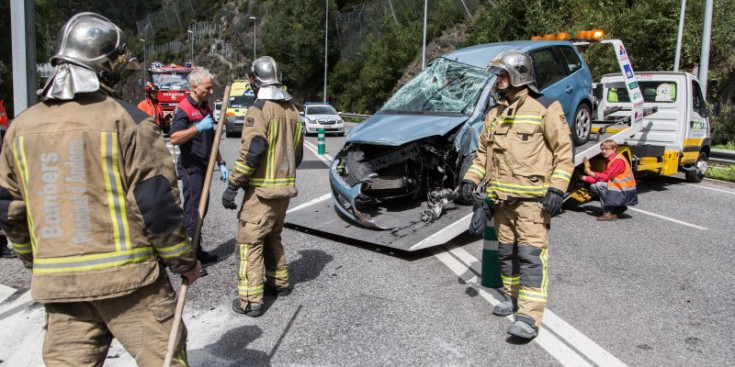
<point>92,41</point>
<point>518,65</point>
<point>266,79</point>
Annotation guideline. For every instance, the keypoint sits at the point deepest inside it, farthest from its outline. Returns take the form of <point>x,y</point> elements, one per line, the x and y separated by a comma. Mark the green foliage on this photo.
<point>726,146</point>
<point>726,173</point>
<point>723,126</point>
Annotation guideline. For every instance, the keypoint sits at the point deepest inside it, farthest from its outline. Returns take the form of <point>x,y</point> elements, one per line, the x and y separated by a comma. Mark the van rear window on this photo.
<point>653,91</point>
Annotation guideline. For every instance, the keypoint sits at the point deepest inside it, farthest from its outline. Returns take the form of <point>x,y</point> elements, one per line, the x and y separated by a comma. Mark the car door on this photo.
<point>551,78</point>
<point>697,128</point>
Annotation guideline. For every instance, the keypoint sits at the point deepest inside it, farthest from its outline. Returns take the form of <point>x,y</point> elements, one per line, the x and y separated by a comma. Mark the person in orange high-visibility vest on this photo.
<point>151,106</point>
<point>616,185</point>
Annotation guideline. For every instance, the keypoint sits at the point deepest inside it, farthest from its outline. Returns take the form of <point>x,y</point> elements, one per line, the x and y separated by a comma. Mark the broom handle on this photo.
<point>174,335</point>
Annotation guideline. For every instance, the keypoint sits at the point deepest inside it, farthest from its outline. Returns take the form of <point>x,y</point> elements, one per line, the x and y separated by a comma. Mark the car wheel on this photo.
<point>582,124</point>
<point>696,175</point>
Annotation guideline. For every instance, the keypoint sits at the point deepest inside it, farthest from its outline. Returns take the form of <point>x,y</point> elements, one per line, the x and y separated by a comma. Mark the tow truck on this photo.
<point>172,85</point>
<point>410,233</point>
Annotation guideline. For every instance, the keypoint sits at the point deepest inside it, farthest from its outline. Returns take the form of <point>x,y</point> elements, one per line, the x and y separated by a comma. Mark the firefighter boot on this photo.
<point>523,328</point>
<point>506,307</point>
<point>252,309</point>
<point>5,250</point>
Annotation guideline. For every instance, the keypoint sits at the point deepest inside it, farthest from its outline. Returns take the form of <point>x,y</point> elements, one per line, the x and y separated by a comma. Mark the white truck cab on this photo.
<point>676,136</point>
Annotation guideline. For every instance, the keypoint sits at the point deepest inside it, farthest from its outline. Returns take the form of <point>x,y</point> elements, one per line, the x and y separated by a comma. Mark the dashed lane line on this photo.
<point>711,188</point>
<point>668,218</point>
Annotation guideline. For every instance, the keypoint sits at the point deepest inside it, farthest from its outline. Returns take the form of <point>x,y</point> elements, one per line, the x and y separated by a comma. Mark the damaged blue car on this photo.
<point>417,147</point>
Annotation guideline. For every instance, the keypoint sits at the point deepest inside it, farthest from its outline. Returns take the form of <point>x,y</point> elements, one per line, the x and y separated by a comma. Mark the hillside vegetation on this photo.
<point>293,33</point>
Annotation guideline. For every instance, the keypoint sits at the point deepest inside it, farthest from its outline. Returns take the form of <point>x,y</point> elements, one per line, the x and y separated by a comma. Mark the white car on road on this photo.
<point>322,115</point>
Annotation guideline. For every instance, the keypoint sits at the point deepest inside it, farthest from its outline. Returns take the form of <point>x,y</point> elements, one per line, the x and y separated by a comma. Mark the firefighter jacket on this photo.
<point>621,189</point>
<point>524,148</point>
<point>272,147</point>
<point>89,199</point>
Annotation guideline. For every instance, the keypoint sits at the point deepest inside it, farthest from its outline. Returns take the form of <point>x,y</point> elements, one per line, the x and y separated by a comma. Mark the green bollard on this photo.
<point>490,261</point>
<point>320,139</point>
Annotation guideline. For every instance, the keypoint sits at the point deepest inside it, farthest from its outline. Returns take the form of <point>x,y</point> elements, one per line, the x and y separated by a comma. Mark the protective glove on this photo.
<point>205,124</point>
<point>587,167</point>
<point>225,173</point>
<point>553,200</point>
<point>228,197</point>
<point>483,212</point>
<point>466,189</point>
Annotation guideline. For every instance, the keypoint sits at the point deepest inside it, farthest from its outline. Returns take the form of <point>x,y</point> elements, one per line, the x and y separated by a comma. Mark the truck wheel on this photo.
<point>696,175</point>
<point>582,124</point>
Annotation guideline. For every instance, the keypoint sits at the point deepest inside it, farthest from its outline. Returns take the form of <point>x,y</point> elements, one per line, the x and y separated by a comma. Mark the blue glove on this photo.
<point>205,124</point>
<point>223,170</point>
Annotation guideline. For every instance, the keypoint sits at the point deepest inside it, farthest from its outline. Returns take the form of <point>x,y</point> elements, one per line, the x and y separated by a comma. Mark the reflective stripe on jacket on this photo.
<point>622,188</point>
<point>89,197</point>
<point>272,148</point>
<point>523,149</point>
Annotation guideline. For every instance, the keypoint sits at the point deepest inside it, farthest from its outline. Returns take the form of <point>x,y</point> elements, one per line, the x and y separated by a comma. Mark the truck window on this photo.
<point>571,58</point>
<point>241,101</point>
<point>547,67</point>
<point>698,103</point>
<point>653,91</point>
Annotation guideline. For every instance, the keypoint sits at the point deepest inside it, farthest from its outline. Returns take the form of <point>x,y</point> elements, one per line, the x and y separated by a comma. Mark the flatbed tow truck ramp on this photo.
<point>409,232</point>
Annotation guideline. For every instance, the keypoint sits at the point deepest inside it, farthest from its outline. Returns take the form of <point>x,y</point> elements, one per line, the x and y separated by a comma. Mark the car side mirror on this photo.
<point>301,113</point>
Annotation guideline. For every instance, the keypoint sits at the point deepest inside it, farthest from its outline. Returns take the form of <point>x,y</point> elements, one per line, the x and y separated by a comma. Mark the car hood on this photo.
<point>398,129</point>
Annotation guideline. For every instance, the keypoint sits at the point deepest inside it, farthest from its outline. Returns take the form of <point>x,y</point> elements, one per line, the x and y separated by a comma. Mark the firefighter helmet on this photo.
<point>265,72</point>
<point>518,65</point>
<point>266,79</point>
<point>92,41</point>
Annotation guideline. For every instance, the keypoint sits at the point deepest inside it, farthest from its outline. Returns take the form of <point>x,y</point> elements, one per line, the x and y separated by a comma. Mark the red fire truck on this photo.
<point>172,85</point>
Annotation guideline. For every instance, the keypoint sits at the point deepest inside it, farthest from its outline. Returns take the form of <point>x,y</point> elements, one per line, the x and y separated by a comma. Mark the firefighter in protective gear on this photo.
<point>272,148</point>
<point>525,154</point>
<point>89,200</point>
<point>151,106</point>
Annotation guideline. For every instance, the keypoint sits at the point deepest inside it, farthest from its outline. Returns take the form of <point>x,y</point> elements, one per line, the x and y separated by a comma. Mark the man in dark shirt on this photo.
<point>192,130</point>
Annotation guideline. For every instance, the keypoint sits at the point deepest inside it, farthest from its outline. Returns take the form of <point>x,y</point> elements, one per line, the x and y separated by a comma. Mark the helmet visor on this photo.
<point>497,70</point>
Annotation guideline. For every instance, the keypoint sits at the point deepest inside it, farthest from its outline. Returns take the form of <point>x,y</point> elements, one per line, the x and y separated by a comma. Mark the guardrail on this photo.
<point>354,115</point>
<point>722,156</point>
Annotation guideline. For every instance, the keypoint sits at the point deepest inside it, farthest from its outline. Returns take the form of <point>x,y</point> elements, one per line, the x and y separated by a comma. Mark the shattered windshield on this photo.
<point>170,80</point>
<point>445,86</point>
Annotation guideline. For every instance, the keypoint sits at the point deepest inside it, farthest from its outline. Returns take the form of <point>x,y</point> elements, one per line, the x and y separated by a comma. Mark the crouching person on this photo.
<point>615,186</point>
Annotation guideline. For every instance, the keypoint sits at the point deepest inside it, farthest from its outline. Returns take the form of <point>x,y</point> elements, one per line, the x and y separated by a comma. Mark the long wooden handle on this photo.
<point>183,290</point>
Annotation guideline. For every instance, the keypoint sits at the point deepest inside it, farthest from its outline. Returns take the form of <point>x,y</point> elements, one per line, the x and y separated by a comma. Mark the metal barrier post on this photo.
<point>320,144</point>
<point>490,261</point>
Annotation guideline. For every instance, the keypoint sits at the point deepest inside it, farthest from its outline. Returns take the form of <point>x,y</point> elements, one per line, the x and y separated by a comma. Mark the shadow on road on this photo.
<point>232,349</point>
<point>308,265</point>
<point>313,165</point>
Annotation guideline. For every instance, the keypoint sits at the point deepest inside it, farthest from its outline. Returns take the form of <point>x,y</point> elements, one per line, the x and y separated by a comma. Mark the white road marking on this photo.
<point>552,322</point>
<point>326,158</point>
<point>6,292</point>
<point>711,188</point>
<point>323,197</point>
<point>555,347</point>
<point>668,218</point>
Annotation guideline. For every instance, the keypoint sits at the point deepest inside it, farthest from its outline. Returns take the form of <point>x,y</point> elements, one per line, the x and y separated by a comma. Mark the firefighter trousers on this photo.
<point>260,251</point>
<point>80,333</point>
<point>522,230</point>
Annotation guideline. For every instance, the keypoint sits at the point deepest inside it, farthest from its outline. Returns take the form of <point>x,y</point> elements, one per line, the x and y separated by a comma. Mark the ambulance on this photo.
<point>241,97</point>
